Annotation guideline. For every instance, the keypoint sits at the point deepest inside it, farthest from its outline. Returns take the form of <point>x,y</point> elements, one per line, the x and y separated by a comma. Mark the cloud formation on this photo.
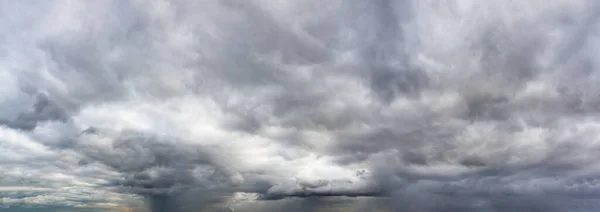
<point>262,105</point>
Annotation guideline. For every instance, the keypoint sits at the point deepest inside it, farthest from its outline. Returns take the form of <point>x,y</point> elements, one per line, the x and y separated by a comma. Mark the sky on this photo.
<point>304,105</point>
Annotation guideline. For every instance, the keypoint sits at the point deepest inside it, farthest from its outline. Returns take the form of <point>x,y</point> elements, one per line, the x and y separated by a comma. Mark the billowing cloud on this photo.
<point>263,105</point>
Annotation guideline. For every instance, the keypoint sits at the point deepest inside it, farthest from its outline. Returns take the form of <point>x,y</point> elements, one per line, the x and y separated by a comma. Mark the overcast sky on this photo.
<point>307,105</point>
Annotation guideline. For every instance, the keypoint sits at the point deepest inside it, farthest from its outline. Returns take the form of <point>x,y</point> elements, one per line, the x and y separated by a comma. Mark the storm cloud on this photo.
<point>268,105</point>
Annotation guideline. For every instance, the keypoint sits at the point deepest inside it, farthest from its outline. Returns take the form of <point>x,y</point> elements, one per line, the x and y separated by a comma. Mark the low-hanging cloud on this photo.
<point>393,105</point>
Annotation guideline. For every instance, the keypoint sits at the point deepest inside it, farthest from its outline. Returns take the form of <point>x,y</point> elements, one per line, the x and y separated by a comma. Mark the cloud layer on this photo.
<point>270,105</point>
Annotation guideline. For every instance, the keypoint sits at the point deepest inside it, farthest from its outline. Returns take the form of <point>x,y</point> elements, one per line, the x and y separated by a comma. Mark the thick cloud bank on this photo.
<point>275,105</point>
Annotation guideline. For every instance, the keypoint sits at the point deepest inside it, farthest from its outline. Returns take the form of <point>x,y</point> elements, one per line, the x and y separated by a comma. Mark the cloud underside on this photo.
<point>300,105</point>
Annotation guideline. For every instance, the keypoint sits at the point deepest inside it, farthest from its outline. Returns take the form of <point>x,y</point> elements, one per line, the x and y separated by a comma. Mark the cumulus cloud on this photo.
<point>262,105</point>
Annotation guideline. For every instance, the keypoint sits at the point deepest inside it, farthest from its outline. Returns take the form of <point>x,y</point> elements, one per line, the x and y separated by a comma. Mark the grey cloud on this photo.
<point>42,110</point>
<point>151,162</point>
<point>397,105</point>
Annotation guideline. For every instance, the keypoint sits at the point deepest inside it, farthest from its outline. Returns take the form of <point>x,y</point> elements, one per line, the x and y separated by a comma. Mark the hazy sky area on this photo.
<point>300,105</point>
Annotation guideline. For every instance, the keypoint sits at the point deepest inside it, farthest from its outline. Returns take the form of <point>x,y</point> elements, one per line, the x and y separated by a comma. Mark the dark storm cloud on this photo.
<point>152,164</point>
<point>396,105</point>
